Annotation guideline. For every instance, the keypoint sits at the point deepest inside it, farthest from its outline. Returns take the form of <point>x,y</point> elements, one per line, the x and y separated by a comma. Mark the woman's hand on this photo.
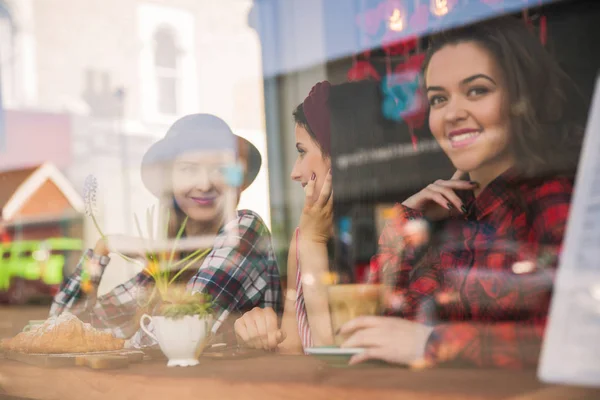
<point>258,329</point>
<point>394,340</point>
<point>438,200</point>
<point>101,248</point>
<point>316,221</point>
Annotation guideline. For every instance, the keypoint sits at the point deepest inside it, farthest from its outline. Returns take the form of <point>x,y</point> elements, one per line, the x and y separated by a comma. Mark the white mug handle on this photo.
<point>145,329</point>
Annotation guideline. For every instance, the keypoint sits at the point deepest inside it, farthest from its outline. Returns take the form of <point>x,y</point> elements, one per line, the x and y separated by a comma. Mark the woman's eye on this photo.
<point>435,100</point>
<point>477,91</point>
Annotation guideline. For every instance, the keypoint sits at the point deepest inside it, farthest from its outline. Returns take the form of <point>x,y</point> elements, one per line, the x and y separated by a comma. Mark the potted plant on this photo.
<point>181,321</point>
<point>182,325</point>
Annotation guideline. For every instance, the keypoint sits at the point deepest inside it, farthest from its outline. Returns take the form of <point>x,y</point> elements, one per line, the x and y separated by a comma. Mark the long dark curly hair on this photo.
<point>546,135</point>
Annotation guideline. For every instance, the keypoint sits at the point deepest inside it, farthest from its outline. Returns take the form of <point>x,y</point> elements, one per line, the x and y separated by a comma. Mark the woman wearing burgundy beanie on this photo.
<point>308,254</point>
<point>502,110</point>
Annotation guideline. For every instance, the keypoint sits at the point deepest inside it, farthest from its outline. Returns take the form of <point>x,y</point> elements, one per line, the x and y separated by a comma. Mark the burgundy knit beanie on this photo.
<point>317,114</point>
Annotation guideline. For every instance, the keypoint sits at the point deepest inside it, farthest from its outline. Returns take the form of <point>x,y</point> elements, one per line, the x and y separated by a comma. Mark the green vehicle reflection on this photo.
<point>33,269</point>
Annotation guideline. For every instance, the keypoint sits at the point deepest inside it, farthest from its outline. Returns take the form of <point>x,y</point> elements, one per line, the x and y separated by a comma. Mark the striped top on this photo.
<point>301,316</point>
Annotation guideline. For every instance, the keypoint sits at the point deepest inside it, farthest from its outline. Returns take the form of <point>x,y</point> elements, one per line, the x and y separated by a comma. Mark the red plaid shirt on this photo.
<point>484,282</point>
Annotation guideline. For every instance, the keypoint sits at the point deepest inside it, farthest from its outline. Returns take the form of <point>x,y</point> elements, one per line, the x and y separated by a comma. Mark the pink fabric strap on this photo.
<point>301,316</point>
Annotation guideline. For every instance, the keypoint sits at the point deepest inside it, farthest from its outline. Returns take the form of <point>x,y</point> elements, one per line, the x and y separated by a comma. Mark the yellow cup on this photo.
<point>350,301</point>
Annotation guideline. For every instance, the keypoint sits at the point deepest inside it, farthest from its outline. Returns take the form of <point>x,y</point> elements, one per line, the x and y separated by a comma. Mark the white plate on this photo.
<point>334,351</point>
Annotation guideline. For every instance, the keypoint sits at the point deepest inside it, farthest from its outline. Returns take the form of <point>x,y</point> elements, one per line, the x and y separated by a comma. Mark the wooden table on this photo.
<point>275,377</point>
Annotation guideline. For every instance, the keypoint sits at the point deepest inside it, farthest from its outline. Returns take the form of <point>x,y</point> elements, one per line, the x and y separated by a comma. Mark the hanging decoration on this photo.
<point>383,24</point>
<point>394,26</point>
<point>411,70</point>
<point>542,28</point>
<point>403,99</point>
<point>440,8</point>
<point>396,20</point>
<point>394,39</point>
<point>416,23</point>
<point>362,69</point>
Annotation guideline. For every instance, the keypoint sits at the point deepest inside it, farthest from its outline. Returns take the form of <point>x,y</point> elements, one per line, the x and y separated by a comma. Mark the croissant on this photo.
<point>63,334</point>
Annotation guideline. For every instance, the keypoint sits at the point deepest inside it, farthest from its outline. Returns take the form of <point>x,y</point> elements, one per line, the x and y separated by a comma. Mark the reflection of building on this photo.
<point>33,137</point>
<point>39,202</point>
<point>116,74</point>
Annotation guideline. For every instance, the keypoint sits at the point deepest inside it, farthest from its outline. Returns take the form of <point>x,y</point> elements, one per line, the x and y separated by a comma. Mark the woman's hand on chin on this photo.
<point>439,200</point>
<point>316,221</point>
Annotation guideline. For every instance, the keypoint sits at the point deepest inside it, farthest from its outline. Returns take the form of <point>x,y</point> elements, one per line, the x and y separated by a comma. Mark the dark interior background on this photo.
<point>573,34</point>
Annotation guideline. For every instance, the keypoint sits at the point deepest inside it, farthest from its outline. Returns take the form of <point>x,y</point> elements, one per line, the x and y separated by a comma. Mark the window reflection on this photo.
<point>166,55</point>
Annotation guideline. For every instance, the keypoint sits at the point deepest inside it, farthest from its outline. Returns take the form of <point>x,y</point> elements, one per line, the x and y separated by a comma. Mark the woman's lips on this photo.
<point>463,137</point>
<point>204,201</point>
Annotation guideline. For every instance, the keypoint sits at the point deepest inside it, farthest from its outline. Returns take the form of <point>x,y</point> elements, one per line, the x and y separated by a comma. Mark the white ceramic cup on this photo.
<point>181,340</point>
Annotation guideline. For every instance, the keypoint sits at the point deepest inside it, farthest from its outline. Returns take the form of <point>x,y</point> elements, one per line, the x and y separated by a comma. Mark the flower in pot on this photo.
<point>182,325</point>
<point>181,321</point>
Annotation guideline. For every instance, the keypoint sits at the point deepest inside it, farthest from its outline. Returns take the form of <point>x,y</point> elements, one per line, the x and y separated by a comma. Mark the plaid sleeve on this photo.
<point>514,344</point>
<point>70,296</point>
<point>504,345</point>
<point>115,311</point>
<point>241,272</point>
<point>119,310</point>
<point>395,258</point>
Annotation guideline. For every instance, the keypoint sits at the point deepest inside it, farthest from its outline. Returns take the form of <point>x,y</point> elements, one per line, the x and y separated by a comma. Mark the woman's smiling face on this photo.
<point>310,161</point>
<point>468,101</point>
<point>199,185</point>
